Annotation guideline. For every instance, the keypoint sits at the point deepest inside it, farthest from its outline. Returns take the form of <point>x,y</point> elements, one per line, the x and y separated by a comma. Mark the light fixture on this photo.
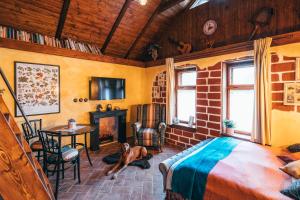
<point>142,2</point>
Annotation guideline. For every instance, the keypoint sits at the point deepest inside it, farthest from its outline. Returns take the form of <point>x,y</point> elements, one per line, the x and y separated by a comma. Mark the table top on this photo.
<point>81,129</point>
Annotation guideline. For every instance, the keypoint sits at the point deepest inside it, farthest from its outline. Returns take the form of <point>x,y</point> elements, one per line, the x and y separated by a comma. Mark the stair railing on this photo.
<point>15,99</point>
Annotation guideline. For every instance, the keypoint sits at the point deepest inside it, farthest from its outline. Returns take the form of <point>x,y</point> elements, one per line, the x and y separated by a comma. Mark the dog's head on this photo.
<point>125,147</point>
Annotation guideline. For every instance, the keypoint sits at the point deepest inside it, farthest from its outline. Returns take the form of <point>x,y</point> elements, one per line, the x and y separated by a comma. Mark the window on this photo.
<point>240,96</point>
<point>185,94</point>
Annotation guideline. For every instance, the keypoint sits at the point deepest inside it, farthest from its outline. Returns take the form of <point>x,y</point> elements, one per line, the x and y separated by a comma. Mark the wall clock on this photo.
<point>210,27</point>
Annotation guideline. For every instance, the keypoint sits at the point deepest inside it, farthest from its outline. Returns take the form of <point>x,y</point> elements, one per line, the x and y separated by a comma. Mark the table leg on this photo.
<point>86,150</point>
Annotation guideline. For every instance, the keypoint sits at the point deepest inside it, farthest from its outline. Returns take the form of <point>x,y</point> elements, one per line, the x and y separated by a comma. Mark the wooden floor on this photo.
<point>134,183</point>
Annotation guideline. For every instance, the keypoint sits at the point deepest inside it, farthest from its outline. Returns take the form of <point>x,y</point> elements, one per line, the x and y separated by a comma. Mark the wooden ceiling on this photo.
<point>123,28</point>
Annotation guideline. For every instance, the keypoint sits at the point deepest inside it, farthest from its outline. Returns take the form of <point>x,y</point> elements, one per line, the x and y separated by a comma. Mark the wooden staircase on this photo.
<point>21,176</point>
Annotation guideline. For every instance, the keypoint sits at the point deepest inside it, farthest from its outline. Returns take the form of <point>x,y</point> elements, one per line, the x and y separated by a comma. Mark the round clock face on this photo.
<point>210,27</point>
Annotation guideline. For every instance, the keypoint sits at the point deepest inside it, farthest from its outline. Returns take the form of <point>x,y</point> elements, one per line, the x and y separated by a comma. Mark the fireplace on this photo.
<point>109,126</point>
<point>108,130</point>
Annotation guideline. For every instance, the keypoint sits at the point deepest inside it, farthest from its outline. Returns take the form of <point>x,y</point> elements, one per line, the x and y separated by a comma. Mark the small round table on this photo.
<point>82,129</point>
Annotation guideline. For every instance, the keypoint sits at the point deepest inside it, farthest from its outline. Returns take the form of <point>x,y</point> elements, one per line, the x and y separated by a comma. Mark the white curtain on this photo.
<point>170,90</point>
<point>262,115</point>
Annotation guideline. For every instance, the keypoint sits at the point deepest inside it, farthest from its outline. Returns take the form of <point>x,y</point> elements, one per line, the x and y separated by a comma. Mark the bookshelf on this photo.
<point>38,48</point>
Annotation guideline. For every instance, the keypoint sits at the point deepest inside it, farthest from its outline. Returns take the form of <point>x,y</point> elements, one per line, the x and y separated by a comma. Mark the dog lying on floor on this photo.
<point>128,155</point>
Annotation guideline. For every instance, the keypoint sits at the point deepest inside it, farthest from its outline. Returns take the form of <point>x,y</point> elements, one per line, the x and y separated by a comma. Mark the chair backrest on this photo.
<point>51,141</point>
<point>150,115</point>
<point>36,125</point>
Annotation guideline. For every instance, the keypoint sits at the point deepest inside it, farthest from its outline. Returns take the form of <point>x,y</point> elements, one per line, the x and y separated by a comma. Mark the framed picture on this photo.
<point>161,79</point>
<point>37,87</point>
<point>292,93</point>
<point>156,92</point>
<point>297,69</point>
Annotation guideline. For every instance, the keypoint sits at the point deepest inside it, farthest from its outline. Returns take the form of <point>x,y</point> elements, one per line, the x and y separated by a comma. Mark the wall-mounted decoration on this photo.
<point>261,19</point>
<point>156,92</point>
<point>292,93</point>
<point>161,79</point>
<point>210,27</point>
<point>37,87</point>
<point>182,47</point>
<point>152,50</point>
<point>298,69</point>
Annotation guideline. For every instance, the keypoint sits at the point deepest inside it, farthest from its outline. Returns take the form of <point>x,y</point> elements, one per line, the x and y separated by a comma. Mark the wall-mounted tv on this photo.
<point>107,88</point>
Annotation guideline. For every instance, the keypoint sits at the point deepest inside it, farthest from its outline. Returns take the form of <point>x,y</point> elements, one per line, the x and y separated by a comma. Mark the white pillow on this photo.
<point>292,168</point>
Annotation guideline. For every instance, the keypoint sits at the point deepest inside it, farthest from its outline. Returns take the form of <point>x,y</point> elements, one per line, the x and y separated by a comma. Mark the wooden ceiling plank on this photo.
<point>155,13</point>
<point>62,18</point>
<point>169,5</point>
<point>116,24</point>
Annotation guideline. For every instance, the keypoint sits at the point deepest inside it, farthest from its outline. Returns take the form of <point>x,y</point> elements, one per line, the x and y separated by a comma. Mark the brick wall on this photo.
<point>209,101</point>
<point>208,109</point>
<point>283,70</point>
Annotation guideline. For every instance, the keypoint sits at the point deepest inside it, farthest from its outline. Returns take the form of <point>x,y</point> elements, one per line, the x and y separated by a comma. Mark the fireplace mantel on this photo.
<point>120,116</point>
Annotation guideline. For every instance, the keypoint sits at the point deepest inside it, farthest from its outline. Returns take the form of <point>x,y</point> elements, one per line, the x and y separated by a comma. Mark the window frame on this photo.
<point>178,87</point>
<point>230,86</point>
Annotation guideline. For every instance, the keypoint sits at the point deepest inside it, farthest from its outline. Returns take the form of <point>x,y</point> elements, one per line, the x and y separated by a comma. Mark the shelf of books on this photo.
<point>35,42</point>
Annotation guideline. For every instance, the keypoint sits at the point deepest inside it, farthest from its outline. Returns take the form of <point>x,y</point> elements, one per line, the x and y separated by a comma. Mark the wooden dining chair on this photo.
<point>57,158</point>
<point>32,137</point>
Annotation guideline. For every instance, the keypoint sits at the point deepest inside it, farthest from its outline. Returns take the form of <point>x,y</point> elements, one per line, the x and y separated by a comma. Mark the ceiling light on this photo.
<point>142,2</point>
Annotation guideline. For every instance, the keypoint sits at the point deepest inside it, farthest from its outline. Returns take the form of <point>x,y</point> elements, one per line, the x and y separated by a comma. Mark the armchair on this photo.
<point>149,127</point>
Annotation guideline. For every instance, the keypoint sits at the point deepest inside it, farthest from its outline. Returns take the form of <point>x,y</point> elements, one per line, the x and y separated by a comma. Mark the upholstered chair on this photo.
<point>149,127</point>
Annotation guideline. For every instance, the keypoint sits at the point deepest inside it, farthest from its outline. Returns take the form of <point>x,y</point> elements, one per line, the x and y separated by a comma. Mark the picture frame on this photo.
<point>161,79</point>
<point>156,92</point>
<point>37,88</point>
<point>292,93</point>
<point>297,69</point>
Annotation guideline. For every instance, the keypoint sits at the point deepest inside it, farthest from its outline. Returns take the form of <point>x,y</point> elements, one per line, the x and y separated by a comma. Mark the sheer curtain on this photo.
<point>262,116</point>
<point>170,90</point>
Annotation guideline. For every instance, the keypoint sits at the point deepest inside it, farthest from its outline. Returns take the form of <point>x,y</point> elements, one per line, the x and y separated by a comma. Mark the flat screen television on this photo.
<point>102,88</point>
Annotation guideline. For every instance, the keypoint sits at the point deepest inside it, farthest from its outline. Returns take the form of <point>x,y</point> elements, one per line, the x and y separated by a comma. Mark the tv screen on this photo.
<point>107,88</point>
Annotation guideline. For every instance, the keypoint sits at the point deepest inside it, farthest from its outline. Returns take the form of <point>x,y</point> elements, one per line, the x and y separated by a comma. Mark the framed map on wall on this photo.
<point>37,87</point>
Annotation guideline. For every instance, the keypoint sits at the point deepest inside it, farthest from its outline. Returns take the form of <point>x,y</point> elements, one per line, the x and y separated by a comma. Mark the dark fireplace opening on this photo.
<point>108,130</point>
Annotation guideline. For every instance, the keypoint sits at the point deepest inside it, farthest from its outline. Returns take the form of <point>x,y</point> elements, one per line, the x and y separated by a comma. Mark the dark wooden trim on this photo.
<point>32,47</point>
<point>278,40</point>
<point>116,24</point>
<point>150,20</point>
<point>169,5</point>
<point>62,18</point>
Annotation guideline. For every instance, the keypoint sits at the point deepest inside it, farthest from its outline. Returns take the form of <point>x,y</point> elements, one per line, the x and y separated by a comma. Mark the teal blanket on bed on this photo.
<point>190,176</point>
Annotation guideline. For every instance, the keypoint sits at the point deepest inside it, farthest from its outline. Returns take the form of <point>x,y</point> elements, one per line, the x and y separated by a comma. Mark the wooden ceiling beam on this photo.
<point>150,20</point>
<point>62,18</point>
<point>169,5</point>
<point>116,24</point>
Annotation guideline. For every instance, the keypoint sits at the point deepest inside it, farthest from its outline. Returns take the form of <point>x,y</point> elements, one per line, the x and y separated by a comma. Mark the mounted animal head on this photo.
<point>125,148</point>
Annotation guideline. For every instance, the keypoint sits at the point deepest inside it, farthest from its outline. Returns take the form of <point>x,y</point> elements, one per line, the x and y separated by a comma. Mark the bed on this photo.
<point>224,168</point>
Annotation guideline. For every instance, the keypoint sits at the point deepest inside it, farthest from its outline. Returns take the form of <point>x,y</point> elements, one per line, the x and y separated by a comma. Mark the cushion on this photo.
<point>286,159</point>
<point>294,148</point>
<point>292,169</point>
<point>69,153</point>
<point>150,115</point>
<point>147,137</point>
<point>36,146</point>
<point>293,191</point>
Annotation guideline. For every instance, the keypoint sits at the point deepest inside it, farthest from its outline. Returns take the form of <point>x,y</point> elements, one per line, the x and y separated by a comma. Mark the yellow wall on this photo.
<point>285,125</point>
<point>74,77</point>
<point>75,74</point>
